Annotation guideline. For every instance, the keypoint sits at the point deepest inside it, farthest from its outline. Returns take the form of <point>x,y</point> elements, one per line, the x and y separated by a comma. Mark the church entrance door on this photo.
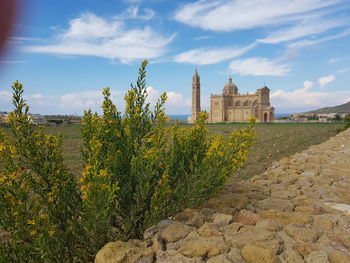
<point>265,117</point>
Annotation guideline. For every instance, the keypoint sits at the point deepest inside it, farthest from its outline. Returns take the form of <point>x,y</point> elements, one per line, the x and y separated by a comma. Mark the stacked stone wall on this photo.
<point>297,211</point>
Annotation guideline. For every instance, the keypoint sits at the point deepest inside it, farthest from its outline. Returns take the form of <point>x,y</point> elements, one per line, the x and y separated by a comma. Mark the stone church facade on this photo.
<point>231,106</point>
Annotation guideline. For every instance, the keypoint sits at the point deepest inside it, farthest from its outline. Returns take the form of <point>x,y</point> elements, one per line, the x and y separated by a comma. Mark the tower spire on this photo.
<point>196,86</point>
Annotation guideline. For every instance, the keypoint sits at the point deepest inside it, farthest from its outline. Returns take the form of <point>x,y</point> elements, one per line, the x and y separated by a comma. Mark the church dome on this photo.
<point>230,88</point>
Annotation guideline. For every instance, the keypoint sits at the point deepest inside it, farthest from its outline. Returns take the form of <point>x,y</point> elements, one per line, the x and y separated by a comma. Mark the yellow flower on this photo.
<point>44,216</point>
<point>32,233</point>
<point>30,222</point>
<point>51,232</point>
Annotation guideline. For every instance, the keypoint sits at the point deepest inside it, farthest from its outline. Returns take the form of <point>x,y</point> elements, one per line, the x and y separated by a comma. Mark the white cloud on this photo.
<point>12,61</point>
<point>203,37</point>
<point>175,104</point>
<point>336,60</point>
<point>303,100</point>
<point>308,84</point>
<point>81,100</point>
<point>222,15</point>
<point>133,12</point>
<point>37,96</point>
<point>5,96</point>
<point>342,71</point>
<point>311,42</point>
<point>309,26</point>
<point>205,56</point>
<point>323,81</point>
<point>259,67</point>
<point>90,35</point>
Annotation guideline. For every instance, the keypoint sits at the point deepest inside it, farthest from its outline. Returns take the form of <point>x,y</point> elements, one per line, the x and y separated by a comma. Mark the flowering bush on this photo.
<point>157,169</point>
<point>38,196</point>
<point>138,170</point>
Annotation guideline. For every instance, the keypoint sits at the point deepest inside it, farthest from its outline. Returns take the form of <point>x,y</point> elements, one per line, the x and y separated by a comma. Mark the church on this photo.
<point>231,106</point>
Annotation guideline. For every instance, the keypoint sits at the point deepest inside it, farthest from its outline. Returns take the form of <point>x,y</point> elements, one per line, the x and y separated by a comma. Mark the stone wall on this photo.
<point>297,211</point>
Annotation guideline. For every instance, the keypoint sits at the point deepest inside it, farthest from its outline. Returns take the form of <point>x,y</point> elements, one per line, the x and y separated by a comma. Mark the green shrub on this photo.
<point>138,170</point>
<point>159,169</point>
<point>346,123</point>
<point>38,196</point>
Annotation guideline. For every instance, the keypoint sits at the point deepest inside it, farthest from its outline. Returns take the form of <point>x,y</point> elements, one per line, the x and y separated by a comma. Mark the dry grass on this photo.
<point>275,141</point>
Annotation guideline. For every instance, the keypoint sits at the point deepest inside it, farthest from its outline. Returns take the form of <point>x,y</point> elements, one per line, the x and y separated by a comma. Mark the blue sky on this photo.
<point>65,52</point>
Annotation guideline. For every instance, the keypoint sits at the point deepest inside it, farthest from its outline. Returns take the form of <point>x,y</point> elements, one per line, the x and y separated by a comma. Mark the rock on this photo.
<point>236,201</point>
<point>191,217</point>
<point>157,242</point>
<point>254,235</point>
<point>326,221</point>
<point>175,231</point>
<point>287,217</point>
<point>338,256</point>
<point>317,257</point>
<point>201,246</point>
<point>234,255</point>
<point>219,259</point>
<point>248,217</point>
<point>283,194</point>
<point>287,240</point>
<point>208,213</point>
<point>221,220</point>
<point>151,231</point>
<point>290,256</point>
<point>306,234</point>
<point>269,224</point>
<point>275,204</point>
<point>172,256</point>
<point>305,249</point>
<point>128,252</point>
<point>302,200</point>
<point>209,230</point>
<point>232,228</point>
<point>255,254</point>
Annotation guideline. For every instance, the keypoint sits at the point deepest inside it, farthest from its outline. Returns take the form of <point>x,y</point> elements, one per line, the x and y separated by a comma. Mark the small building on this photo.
<point>3,117</point>
<point>231,106</point>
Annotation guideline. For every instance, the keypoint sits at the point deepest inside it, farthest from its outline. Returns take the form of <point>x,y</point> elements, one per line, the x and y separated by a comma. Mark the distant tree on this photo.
<point>337,117</point>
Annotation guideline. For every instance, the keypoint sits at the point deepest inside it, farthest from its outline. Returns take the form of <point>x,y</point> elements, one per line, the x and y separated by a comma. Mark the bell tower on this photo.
<point>196,93</point>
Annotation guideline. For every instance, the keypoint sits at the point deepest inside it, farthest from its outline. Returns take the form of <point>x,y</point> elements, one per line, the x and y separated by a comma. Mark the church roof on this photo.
<point>230,88</point>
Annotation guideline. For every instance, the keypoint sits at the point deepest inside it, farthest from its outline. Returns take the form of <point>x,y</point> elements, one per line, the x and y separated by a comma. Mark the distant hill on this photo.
<point>337,109</point>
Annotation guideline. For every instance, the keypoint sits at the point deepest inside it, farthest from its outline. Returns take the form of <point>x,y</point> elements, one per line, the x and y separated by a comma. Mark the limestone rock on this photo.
<point>175,231</point>
<point>222,258</point>
<point>305,249</point>
<point>254,235</point>
<point>326,221</point>
<point>248,217</point>
<point>269,224</point>
<point>201,246</point>
<point>303,233</point>
<point>128,252</point>
<point>191,217</point>
<point>232,229</point>
<point>338,256</point>
<point>290,256</point>
<point>221,219</point>
<point>171,256</point>
<point>234,255</point>
<point>209,230</point>
<point>151,231</point>
<point>255,254</point>
<point>287,217</point>
<point>317,257</point>
<point>236,201</point>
